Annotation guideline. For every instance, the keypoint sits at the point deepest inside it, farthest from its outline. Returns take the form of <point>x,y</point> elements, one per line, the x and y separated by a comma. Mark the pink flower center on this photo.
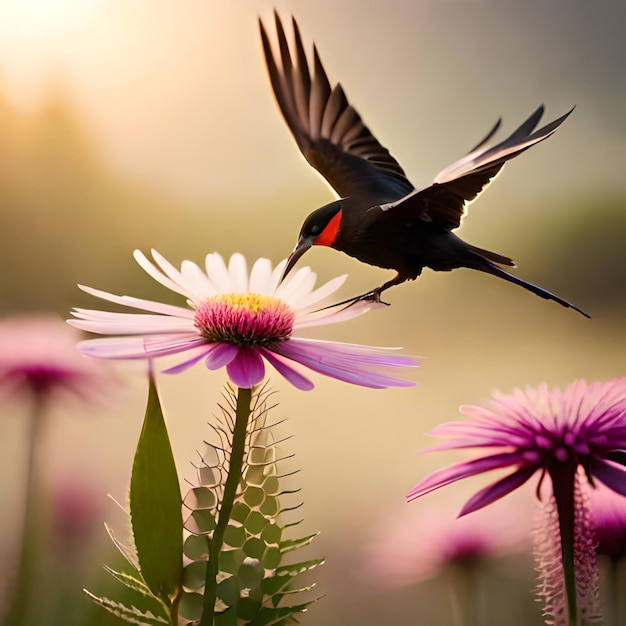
<point>244,319</point>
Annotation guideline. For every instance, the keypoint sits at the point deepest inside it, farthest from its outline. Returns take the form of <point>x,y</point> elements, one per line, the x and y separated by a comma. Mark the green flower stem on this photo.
<point>235,466</point>
<point>563,481</point>
<point>465,594</point>
<point>24,570</point>
<point>612,615</point>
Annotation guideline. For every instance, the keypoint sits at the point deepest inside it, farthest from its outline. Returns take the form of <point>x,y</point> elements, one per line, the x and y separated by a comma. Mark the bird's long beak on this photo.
<point>304,243</point>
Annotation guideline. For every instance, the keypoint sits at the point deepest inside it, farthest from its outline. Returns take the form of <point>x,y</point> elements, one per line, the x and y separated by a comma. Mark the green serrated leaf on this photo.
<point>256,522</point>
<point>273,615</point>
<point>156,506</point>
<point>251,573</point>
<point>191,605</point>
<point>298,568</point>
<point>271,586</point>
<point>253,587</point>
<point>194,575</point>
<point>196,547</point>
<point>272,558</point>
<point>272,534</point>
<point>228,590</point>
<point>231,560</point>
<point>131,581</point>
<point>248,609</point>
<point>127,552</point>
<point>254,548</point>
<point>288,545</point>
<point>130,614</point>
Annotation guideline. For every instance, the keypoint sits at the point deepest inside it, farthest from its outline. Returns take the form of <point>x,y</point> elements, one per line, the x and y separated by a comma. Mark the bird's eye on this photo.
<point>315,229</point>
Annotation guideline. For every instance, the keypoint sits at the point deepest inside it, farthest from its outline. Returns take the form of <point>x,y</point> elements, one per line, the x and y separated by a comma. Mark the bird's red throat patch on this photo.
<point>329,234</point>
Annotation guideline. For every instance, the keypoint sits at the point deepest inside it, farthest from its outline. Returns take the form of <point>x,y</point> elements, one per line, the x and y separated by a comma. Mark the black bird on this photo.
<point>381,218</point>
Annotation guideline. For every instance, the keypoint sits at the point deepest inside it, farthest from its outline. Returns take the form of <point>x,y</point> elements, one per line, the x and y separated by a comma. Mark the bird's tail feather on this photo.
<point>498,259</point>
<point>491,268</point>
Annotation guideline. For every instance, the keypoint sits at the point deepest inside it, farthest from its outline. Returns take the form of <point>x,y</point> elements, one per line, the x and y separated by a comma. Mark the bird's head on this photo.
<point>319,229</point>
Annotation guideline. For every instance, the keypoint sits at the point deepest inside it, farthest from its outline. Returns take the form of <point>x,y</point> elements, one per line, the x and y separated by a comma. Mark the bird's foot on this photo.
<point>370,296</point>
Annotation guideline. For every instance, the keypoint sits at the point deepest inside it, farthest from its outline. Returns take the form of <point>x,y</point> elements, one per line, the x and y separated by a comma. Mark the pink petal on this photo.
<point>612,475</point>
<point>138,303</point>
<point>498,489</point>
<point>105,323</point>
<point>150,346</point>
<point>221,354</point>
<point>284,369</point>
<point>190,361</point>
<point>452,473</point>
<point>352,364</point>
<point>247,368</point>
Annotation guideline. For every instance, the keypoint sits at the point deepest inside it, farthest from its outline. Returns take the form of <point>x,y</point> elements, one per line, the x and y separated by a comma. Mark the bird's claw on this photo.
<point>371,296</point>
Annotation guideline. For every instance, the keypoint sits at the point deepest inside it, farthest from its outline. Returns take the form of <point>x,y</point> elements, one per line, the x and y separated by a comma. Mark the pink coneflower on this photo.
<point>38,358</point>
<point>555,433</point>
<point>238,321</point>
<point>424,542</point>
<point>39,364</point>
<point>75,513</point>
<point>416,544</point>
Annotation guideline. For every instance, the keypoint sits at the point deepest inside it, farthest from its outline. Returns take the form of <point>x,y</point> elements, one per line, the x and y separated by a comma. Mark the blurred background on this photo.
<point>151,124</point>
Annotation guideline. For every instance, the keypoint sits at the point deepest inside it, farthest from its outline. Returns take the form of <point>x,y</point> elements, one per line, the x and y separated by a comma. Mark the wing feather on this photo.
<point>446,200</point>
<point>327,129</point>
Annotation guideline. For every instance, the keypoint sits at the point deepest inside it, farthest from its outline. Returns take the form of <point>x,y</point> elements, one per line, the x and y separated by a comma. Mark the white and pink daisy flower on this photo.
<point>239,321</point>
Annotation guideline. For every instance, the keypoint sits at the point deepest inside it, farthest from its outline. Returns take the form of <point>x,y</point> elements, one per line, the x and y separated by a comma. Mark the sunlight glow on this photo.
<point>36,41</point>
<point>34,19</point>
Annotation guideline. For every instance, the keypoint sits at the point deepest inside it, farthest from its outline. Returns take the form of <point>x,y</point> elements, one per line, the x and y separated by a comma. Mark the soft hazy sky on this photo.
<point>176,93</point>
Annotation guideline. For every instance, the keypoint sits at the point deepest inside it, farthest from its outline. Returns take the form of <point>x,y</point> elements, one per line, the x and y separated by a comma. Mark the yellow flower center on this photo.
<point>244,319</point>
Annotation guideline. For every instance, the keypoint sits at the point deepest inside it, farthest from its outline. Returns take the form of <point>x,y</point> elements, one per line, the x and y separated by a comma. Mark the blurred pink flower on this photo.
<point>608,516</point>
<point>417,544</point>
<point>38,357</point>
<point>239,321</point>
<point>76,512</point>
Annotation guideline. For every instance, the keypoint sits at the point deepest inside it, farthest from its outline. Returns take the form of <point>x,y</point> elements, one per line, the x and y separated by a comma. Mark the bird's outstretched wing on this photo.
<point>327,129</point>
<point>445,201</point>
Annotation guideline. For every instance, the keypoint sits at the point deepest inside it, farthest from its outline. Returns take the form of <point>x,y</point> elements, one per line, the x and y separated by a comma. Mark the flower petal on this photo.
<point>138,303</point>
<point>197,355</point>
<point>217,272</point>
<point>452,473</point>
<point>197,281</point>
<point>106,323</point>
<point>261,278</point>
<point>144,347</point>
<point>289,373</point>
<point>322,292</point>
<point>332,315</point>
<point>221,354</point>
<point>351,363</point>
<point>612,475</point>
<point>296,286</point>
<point>157,274</point>
<point>246,369</point>
<point>238,273</point>
<point>498,489</point>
